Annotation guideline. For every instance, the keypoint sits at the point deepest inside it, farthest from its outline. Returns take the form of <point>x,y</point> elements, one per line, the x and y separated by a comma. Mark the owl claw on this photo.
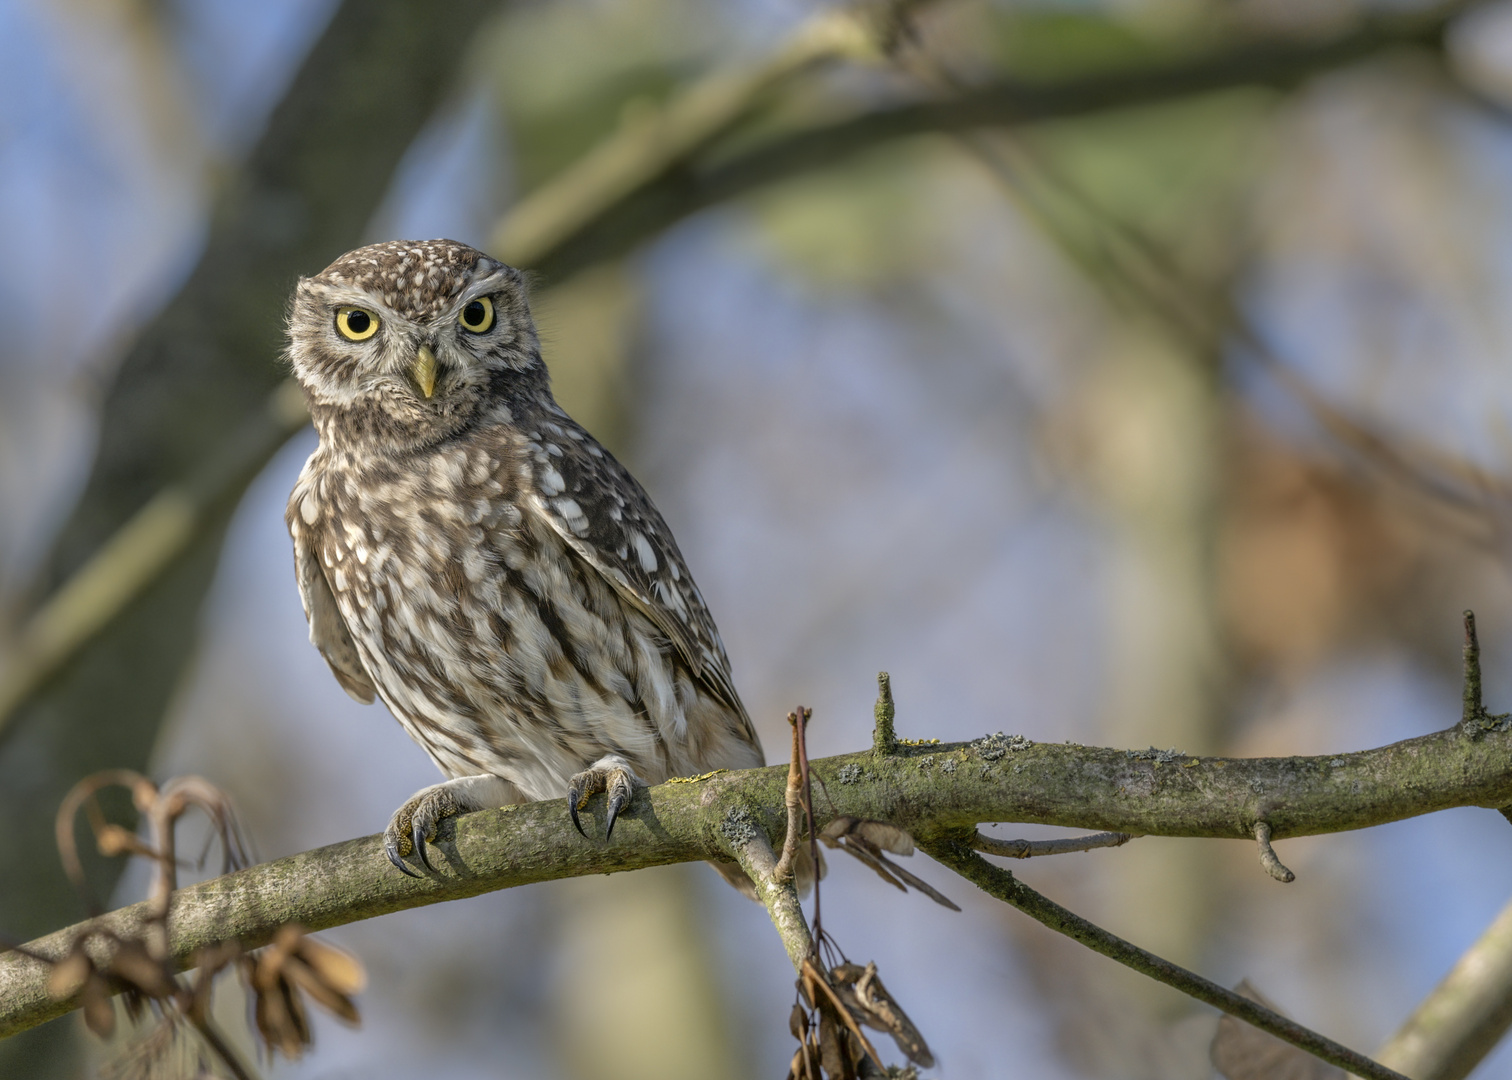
<point>413,825</point>
<point>391,849</point>
<point>609,774</point>
<point>419,839</point>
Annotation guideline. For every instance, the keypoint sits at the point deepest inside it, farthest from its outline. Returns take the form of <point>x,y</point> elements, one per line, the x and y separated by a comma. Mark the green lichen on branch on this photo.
<point>884,738</point>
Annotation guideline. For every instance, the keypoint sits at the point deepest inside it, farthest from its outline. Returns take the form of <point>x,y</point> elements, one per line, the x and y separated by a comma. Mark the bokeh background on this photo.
<point>1134,372</point>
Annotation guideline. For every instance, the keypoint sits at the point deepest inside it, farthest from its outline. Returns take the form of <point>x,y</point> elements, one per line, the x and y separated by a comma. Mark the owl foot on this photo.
<point>609,773</point>
<point>414,824</point>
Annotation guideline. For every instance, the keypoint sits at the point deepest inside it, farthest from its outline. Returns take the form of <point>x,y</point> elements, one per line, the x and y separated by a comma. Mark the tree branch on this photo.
<point>928,791</point>
<point>687,185</point>
<point>1465,1016</point>
<point>777,894</point>
<point>995,881</point>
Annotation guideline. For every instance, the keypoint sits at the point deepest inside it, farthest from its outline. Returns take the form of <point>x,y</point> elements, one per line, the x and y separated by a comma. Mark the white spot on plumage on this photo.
<point>552,483</point>
<point>644,552</point>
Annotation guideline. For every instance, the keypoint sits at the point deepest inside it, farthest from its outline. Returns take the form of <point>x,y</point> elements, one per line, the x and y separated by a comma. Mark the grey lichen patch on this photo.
<point>948,765</point>
<point>996,746</point>
<point>850,774</point>
<point>1160,757</point>
<point>1484,722</point>
<point>1335,763</point>
<point>927,761</point>
<point>739,826</point>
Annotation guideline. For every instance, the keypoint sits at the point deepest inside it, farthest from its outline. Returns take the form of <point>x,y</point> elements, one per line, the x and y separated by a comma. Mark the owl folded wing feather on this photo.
<point>604,515</point>
<point>328,631</point>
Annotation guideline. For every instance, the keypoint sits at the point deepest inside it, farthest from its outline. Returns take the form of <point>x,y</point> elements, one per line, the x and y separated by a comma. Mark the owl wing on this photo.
<point>328,631</point>
<point>604,515</point>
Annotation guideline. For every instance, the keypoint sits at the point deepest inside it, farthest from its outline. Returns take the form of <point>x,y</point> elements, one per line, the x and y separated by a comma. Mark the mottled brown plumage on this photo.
<point>474,558</point>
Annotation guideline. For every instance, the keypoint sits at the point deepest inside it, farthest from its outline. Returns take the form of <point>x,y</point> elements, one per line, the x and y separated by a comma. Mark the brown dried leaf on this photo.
<point>834,1046</point>
<point>281,1020</point>
<point>301,976</point>
<point>68,975</point>
<point>879,1010</point>
<point>798,1022</point>
<point>99,1010</point>
<point>919,883</point>
<point>133,965</point>
<point>831,833</point>
<point>1242,1052</point>
<point>830,1004</point>
<point>869,855</point>
<point>885,836</point>
<point>866,840</point>
<point>339,970</point>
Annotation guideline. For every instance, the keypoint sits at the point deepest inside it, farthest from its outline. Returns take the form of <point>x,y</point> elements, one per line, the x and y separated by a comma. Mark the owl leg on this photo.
<point>414,824</point>
<point>610,773</point>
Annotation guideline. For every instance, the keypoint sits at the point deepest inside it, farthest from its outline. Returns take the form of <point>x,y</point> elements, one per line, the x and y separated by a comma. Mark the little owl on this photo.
<point>469,554</point>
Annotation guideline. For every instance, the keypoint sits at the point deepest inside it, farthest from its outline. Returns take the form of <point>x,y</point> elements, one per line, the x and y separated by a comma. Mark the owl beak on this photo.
<point>423,371</point>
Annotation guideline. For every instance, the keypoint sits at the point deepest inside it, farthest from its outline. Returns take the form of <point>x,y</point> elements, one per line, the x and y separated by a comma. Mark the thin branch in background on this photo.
<point>1065,845</point>
<point>1131,266</point>
<point>649,147</point>
<point>995,881</point>
<point>1464,1017</point>
<point>140,552</point>
<point>1273,866</point>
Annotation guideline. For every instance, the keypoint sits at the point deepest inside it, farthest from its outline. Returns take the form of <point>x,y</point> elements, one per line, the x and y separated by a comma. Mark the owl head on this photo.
<point>407,342</point>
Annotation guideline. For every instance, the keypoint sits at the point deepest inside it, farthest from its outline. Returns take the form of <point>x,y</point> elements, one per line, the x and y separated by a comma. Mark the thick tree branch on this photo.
<point>929,791</point>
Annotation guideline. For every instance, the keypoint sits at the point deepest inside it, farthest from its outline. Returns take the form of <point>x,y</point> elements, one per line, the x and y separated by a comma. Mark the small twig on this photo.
<point>884,738</point>
<point>1474,707</point>
<point>222,1048</point>
<point>793,798</point>
<point>1065,845</point>
<point>1273,866</point>
<point>800,744</point>
<point>998,882</point>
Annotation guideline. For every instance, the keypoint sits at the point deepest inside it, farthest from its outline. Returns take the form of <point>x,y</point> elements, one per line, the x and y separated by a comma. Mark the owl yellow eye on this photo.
<point>355,323</point>
<point>478,315</point>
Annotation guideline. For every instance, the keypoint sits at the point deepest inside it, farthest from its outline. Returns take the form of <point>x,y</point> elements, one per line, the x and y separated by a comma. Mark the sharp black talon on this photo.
<point>392,852</point>
<point>616,803</point>
<point>419,839</point>
<point>572,810</point>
